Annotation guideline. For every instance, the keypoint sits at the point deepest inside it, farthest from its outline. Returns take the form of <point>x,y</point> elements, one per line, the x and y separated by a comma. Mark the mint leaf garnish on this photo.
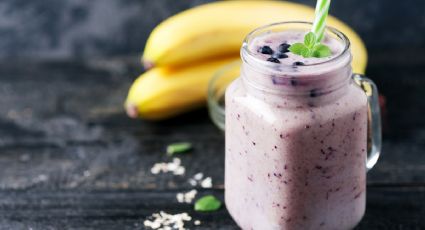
<point>207,204</point>
<point>321,50</point>
<point>310,48</point>
<point>299,49</point>
<point>178,148</point>
<point>310,40</point>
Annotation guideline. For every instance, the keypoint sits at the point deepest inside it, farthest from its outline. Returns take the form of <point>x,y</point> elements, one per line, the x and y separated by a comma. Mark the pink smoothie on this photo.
<point>296,139</point>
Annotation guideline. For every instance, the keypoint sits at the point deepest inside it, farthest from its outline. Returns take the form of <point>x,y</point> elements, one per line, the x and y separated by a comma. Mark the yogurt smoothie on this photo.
<point>296,137</point>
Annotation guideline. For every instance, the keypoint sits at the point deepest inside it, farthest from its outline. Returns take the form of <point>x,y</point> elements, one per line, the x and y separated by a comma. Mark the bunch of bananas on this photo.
<point>183,52</point>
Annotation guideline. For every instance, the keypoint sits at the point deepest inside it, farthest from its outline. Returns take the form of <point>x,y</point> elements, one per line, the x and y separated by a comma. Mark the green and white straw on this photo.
<point>319,25</point>
<point>312,46</point>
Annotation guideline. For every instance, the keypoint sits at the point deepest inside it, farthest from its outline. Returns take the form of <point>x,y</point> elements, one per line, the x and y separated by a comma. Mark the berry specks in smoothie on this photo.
<point>265,50</point>
<point>253,143</point>
<point>294,82</point>
<point>314,93</point>
<point>272,59</point>
<point>275,205</point>
<point>329,153</point>
<point>357,195</point>
<point>277,81</point>
<point>354,116</point>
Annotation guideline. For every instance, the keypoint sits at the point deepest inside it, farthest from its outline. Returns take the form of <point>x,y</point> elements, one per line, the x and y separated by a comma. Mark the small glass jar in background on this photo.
<point>217,89</point>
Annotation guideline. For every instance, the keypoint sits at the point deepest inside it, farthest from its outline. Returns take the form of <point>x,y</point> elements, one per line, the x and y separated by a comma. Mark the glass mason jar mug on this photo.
<point>297,141</point>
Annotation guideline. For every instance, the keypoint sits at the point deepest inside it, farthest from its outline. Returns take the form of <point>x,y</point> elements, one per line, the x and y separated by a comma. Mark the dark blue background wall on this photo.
<point>102,28</point>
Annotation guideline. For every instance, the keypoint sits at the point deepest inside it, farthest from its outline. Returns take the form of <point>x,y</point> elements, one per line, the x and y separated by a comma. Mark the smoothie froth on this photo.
<point>276,43</point>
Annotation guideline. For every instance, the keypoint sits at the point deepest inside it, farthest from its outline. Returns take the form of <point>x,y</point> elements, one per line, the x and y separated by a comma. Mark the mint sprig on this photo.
<point>310,48</point>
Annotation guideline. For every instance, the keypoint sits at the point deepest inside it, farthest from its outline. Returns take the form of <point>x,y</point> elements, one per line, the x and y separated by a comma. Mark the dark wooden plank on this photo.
<point>394,208</point>
<point>62,126</point>
<point>387,208</point>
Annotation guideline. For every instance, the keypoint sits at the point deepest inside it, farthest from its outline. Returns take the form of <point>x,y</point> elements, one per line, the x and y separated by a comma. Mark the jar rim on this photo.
<point>245,52</point>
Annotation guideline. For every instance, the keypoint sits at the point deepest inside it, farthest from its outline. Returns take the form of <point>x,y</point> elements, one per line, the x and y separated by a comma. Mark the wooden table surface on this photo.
<point>71,159</point>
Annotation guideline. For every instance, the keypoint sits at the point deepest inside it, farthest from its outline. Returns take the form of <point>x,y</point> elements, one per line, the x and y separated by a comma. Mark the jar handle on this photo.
<point>374,133</point>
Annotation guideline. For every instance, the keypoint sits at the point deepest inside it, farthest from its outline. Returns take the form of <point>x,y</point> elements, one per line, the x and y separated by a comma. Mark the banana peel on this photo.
<point>164,92</point>
<point>217,29</point>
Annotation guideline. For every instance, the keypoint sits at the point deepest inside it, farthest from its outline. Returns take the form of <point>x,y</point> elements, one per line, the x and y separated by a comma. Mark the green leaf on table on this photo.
<point>178,148</point>
<point>207,204</point>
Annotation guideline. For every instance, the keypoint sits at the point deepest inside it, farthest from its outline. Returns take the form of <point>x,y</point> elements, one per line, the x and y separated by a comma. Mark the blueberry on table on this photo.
<point>284,48</point>
<point>272,59</point>
<point>265,50</point>
<point>298,63</point>
<point>279,55</point>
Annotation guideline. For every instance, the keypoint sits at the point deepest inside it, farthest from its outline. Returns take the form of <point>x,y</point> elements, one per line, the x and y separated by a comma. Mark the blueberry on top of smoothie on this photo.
<point>272,59</point>
<point>265,50</point>
<point>283,48</point>
<point>279,55</point>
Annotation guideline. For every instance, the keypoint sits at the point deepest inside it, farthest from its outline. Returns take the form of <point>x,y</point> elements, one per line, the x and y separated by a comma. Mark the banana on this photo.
<point>163,92</point>
<point>218,29</point>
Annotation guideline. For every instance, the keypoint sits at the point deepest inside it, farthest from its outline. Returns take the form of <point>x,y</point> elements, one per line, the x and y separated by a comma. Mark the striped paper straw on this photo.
<point>319,25</point>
